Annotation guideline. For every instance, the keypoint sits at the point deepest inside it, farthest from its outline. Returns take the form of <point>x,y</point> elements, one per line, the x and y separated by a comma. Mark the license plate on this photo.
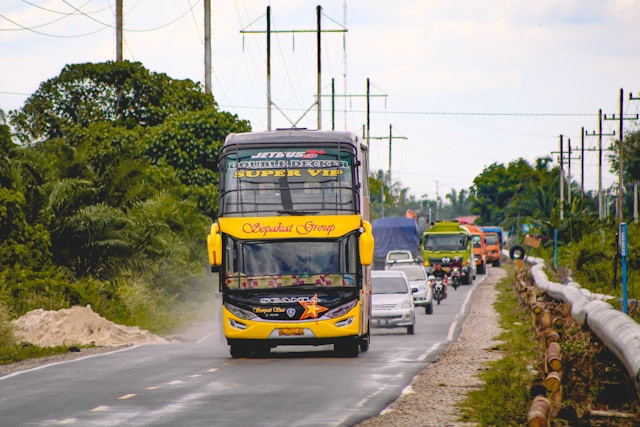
<point>289,332</point>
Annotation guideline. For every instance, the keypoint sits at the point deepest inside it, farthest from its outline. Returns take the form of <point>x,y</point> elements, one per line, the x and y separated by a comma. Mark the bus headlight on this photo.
<point>341,310</point>
<point>239,312</point>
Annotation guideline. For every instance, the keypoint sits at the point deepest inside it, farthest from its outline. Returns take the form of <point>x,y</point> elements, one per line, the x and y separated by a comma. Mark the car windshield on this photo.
<point>413,273</point>
<point>477,241</point>
<point>389,285</point>
<point>492,239</point>
<point>393,256</point>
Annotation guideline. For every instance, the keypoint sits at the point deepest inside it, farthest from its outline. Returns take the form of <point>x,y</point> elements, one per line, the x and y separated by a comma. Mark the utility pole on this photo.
<point>569,176</point>
<point>561,180</point>
<point>620,153</point>
<point>582,164</point>
<point>318,102</point>
<point>207,46</point>
<point>620,158</point>
<point>601,205</point>
<point>119,31</point>
<point>635,183</point>
<point>391,137</point>
<point>319,62</point>
<point>562,177</point>
<point>367,95</point>
<point>269,103</point>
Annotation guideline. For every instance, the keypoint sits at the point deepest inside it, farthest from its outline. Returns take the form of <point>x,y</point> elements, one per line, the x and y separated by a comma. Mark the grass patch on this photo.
<point>505,398</point>
<point>16,352</point>
<point>11,352</point>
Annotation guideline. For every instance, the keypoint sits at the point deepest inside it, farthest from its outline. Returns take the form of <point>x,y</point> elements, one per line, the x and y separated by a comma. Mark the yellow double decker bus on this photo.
<point>292,243</point>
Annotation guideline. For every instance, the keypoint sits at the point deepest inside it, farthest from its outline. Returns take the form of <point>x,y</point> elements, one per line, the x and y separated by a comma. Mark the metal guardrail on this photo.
<point>619,332</point>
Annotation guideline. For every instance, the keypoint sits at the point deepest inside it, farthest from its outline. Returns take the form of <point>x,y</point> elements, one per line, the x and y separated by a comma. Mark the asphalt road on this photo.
<point>198,384</point>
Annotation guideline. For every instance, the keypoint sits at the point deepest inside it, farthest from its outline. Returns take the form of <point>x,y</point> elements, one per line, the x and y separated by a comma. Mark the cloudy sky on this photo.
<point>467,83</point>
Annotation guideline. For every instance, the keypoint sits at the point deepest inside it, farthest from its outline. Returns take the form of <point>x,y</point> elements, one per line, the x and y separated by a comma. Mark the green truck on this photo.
<point>443,241</point>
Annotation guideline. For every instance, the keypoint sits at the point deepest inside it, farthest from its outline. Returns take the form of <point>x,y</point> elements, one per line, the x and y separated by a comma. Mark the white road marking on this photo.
<point>174,382</point>
<point>195,376</point>
<point>212,370</point>
<point>426,354</point>
<point>65,361</point>
<point>99,409</point>
<point>67,421</point>
<point>201,340</point>
<point>127,396</point>
<point>154,387</point>
<point>452,330</point>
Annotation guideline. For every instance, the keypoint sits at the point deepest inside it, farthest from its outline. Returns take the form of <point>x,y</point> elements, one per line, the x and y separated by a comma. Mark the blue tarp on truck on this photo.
<point>393,233</point>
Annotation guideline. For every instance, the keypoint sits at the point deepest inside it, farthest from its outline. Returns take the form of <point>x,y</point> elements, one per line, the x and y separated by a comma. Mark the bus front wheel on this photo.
<point>347,348</point>
<point>364,342</point>
<point>239,350</point>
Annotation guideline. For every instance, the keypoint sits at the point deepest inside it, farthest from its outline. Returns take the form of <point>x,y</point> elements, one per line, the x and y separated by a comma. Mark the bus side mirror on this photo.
<point>214,247</point>
<point>366,244</point>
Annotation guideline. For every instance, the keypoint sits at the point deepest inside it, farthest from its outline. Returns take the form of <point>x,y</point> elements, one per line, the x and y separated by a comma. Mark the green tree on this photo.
<point>124,93</point>
<point>494,188</point>
<point>104,201</point>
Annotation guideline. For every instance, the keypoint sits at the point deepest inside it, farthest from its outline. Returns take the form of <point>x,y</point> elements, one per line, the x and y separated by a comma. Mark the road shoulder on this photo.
<point>434,393</point>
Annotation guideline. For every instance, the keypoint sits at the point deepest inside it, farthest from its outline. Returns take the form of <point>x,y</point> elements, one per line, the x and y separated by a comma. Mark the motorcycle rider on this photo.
<point>456,262</point>
<point>439,272</point>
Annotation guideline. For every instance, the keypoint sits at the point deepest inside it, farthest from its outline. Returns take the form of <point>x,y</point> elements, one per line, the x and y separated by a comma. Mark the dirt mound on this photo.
<point>77,326</point>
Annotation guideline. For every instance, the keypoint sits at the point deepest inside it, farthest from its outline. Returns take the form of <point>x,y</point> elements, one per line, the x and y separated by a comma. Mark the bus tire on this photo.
<point>516,252</point>
<point>364,342</point>
<point>239,350</point>
<point>349,348</point>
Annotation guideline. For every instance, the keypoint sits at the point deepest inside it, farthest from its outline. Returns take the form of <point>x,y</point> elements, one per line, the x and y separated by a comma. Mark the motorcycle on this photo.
<point>438,288</point>
<point>455,277</point>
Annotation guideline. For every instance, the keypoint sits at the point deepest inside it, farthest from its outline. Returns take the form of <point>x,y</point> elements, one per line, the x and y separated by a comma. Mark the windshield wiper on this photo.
<point>296,212</point>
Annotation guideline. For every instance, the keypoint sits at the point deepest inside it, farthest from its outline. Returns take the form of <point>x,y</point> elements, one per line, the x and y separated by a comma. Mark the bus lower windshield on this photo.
<point>277,264</point>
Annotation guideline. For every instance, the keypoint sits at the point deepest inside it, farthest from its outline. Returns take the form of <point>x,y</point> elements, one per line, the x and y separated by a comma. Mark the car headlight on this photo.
<point>240,312</point>
<point>408,303</point>
<point>341,310</point>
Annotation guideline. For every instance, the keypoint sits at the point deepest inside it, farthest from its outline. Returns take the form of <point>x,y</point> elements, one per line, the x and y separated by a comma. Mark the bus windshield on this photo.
<point>277,264</point>
<point>294,181</point>
<point>445,242</point>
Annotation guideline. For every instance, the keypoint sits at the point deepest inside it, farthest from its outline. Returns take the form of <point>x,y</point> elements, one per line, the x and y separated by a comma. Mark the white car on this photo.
<point>392,301</point>
<point>399,256</point>
<point>418,279</point>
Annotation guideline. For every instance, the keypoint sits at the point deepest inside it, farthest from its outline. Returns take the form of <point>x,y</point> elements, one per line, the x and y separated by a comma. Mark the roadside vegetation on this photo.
<point>108,179</point>
<point>504,397</point>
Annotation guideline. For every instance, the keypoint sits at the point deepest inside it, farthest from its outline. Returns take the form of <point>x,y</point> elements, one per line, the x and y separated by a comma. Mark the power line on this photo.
<point>437,113</point>
<point>64,13</point>
<point>79,12</point>
<point>22,27</point>
<point>131,30</point>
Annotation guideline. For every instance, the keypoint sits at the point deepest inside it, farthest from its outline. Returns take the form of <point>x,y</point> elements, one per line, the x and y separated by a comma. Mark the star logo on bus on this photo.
<point>311,308</point>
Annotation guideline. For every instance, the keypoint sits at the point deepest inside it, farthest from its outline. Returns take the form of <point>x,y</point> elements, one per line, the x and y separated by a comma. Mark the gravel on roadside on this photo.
<point>432,397</point>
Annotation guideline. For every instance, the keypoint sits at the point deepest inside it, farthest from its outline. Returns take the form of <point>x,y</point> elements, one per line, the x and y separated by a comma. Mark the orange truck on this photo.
<point>493,248</point>
<point>479,247</point>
